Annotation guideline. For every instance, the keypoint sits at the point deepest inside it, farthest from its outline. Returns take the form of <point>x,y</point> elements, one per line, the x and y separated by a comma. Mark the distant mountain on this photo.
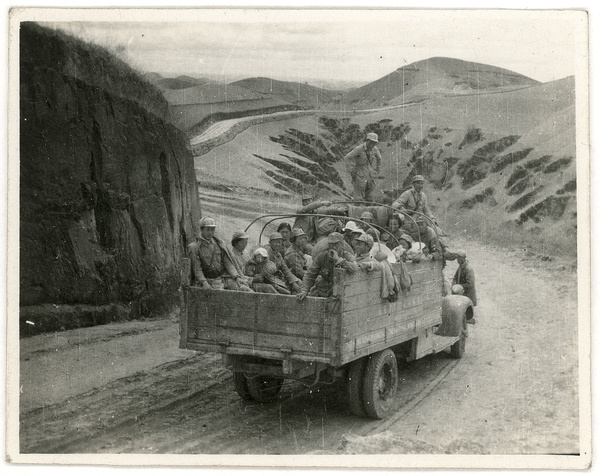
<point>300,94</point>
<point>435,77</point>
<point>182,82</point>
<point>209,92</point>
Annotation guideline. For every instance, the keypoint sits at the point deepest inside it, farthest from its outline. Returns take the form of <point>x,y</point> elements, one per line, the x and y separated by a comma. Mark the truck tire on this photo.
<point>356,371</point>
<point>264,388</point>
<point>457,349</point>
<point>380,383</point>
<point>241,385</point>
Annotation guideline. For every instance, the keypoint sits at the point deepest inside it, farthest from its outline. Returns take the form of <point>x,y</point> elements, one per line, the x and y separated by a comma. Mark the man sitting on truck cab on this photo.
<point>211,264</point>
<point>335,256</point>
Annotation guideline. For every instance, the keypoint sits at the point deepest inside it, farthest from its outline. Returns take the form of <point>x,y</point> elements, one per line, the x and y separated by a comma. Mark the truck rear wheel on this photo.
<point>241,385</point>
<point>380,383</point>
<point>264,388</point>
<point>356,371</point>
<point>457,349</point>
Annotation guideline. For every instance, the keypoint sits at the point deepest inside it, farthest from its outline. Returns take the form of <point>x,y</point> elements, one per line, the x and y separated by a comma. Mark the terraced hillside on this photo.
<point>501,165</point>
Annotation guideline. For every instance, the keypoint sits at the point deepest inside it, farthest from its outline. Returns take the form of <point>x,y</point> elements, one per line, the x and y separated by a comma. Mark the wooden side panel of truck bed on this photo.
<point>265,325</point>
<point>370,323</point>
<point>328,331</point>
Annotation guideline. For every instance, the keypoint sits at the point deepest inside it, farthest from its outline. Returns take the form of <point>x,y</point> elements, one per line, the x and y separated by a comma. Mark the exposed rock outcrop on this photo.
<point>108,197</point>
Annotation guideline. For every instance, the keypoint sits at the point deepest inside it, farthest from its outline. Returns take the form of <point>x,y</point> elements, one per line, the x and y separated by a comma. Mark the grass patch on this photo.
<point>511,158</point>
<point>523,201</point>
<point>557,165</point>
<point>552,207</point>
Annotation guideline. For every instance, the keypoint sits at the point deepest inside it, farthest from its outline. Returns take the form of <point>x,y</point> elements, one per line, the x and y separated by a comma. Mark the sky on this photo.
<point>334,45</point>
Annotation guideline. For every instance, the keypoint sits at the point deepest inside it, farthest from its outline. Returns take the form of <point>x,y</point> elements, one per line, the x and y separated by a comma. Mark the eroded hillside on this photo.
<point>500,166</point>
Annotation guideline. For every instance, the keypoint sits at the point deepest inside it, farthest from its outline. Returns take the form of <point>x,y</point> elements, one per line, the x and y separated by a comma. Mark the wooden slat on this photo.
<point>373,286</point>
<point>381,338</point>
<point>428,318</point>
<point>297,344</point>
<point>198,345</point>
<point>295,329</point>
<point>249,300</point>
<point>272,314</point>
<point>374,298</point>
<point>404,303</point>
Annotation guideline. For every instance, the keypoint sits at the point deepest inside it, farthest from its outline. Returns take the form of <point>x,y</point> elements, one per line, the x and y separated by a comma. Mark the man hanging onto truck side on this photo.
<point>465,276</point>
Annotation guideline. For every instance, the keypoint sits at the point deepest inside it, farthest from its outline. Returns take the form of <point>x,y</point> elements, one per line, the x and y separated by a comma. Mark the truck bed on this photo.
<point>324,330</point>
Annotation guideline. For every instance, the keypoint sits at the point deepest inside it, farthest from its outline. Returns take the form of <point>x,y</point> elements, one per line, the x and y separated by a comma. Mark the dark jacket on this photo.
<point>465,276</point>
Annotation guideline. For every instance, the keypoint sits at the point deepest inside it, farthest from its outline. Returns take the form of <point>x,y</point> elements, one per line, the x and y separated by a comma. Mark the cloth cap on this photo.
<point>335,237</point>
<point>367,216</point>
<point>406,238</point>
<point>207,221</point>
<point>239,235</point>
<point>418,178</point>
<point>373,137</point>
<point>296,232</point>
<point>262,252</point>
<point>351,226</point>
<point>364,238</point>
<point>275,236</point>
<point>457,289</point>
<point>461,254</point>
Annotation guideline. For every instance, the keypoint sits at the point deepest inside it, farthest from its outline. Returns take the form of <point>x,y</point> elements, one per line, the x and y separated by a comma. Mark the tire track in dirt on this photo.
<point>210,418</point>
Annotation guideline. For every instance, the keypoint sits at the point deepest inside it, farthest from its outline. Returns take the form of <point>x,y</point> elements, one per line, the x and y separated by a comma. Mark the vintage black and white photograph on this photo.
<point>321,237</point>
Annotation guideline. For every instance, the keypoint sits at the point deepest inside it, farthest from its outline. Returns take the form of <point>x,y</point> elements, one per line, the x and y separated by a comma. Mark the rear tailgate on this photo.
<point>265,325</point>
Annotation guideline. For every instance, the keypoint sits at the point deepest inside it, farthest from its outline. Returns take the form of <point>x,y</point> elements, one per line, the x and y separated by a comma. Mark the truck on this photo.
<point>354,336</point>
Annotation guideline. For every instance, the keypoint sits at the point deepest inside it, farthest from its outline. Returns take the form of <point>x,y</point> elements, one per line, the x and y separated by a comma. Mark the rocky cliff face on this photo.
<point>108,197</point>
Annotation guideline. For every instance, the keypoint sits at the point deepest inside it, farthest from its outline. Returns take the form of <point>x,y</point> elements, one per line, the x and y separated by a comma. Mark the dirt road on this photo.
<point>127,388</point>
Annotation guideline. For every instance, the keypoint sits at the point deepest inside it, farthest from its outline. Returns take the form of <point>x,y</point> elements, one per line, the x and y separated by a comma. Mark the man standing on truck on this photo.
<point>363,164</point>
<point>335,256</point>
<point>414,199</point>
<point>465,276</point>
<point>211,264</point>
